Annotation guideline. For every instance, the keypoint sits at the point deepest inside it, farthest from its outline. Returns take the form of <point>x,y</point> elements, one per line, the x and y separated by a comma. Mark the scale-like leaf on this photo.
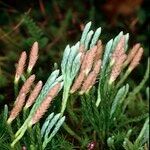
<point>95,37</point>
<point>46,123</point>
<point>85,32</point>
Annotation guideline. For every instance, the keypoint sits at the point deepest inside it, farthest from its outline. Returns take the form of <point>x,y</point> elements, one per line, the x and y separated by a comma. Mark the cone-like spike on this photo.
<point>33,56</point>
<point>20,66</point>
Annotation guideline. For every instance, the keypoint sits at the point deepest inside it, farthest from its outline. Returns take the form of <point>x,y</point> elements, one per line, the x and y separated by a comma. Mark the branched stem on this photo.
<point>18,138</point>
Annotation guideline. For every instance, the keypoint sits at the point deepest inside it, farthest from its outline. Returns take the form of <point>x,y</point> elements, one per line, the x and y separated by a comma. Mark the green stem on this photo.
<point>124,77</point>
<point>98,98</point>
<point>16,89</point>
<point>24,126</point>
<point>65,98</point>
<point>25,113</point>
<point>23,78</point>
<point>102,83</point>
<point>18,138</point>
<point>28,72</point>
<point>19,134</point>
<point>12,137</point>
<point>44,144</point>
<point>18,122</point>
<point>71,132</point>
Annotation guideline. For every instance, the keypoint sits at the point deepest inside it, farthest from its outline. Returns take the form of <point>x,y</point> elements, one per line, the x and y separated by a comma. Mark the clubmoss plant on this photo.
<point>92,75</point>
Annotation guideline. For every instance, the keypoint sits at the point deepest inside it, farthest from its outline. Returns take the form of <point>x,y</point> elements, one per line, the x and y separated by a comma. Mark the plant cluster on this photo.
<point>94,97</point>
